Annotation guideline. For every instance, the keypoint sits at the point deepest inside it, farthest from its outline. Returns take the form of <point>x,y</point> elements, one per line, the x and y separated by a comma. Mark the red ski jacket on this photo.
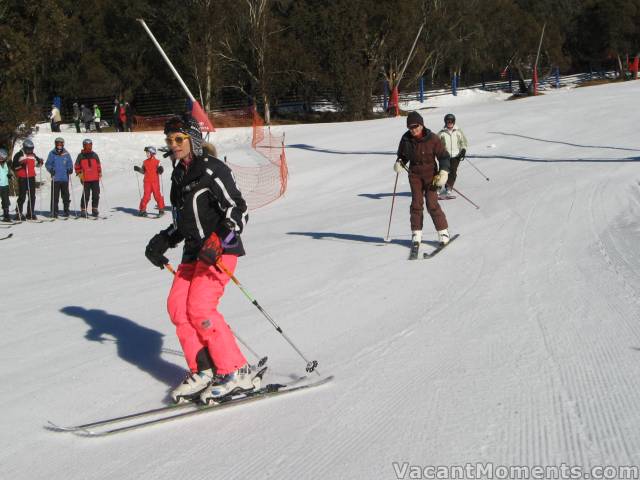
<point>25,164</point>
<point>150,168</point>
<point>88,164</point>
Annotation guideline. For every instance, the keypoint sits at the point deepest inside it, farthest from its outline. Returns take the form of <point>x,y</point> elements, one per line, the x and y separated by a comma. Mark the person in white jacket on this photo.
<point>456,144</point>
<point>55,118</point>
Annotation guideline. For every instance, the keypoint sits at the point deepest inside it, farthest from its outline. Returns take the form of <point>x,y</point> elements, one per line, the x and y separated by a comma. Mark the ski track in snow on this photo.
<point>517,345</point>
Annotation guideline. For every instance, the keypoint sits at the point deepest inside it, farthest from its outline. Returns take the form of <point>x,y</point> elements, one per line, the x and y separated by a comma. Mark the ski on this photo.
<point>446,197</point>
<point>440,247</point>
<point>35,221</point>
<point>7,236</point>
<point>413,253</point>
<point>146,413</point>
<point>271,390</point>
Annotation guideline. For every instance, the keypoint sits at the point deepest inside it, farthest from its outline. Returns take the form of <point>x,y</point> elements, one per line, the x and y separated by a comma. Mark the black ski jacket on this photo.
<point>205,199</point>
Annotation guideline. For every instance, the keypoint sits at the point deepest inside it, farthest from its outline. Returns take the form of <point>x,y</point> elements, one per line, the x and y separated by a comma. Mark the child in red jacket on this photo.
<point>151,169</point>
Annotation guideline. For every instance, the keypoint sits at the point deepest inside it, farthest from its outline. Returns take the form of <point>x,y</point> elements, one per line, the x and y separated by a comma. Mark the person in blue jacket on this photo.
<point>60,166</point>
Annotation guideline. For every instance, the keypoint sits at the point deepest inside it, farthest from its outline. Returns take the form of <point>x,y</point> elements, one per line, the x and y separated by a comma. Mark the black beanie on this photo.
<point>414,118</point>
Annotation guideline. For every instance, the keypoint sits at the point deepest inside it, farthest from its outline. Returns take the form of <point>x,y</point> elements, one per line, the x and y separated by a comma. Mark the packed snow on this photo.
<point>518,345</point>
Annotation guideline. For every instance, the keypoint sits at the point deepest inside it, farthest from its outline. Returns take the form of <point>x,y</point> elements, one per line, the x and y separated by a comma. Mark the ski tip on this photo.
<point>58,428</point>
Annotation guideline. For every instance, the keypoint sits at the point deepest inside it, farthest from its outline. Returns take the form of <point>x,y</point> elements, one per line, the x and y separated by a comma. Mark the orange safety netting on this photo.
<point>260,184</point>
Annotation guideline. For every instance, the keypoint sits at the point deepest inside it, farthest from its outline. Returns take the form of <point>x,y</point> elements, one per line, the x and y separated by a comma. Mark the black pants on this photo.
<point>87,126</point>
<point>4,195</point>
<point>60,188</point>
<point>91,189</point>
<point>27,187</point>
<point>77,124</point>
<point>453,171</point>
<point>55,126</point>
<point>98,129</point>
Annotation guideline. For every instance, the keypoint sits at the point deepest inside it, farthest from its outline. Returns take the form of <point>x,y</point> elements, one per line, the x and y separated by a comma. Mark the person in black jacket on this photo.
<point>209,216</point>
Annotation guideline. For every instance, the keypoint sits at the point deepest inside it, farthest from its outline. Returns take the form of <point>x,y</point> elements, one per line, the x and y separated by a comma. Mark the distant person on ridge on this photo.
<point>428,170</point>
<point>456,144</point>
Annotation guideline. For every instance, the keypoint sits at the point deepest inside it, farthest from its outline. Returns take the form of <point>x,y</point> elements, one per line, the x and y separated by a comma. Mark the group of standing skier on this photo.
<point>60,166</point>
<point>433,161</point>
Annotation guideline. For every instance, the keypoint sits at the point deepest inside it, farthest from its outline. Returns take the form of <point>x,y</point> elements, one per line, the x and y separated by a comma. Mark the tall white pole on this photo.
<point>164,55</point>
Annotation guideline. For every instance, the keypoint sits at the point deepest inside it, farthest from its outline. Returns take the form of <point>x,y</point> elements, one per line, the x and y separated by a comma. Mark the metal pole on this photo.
<point>393,199</point>
<point>164,55</point>
<point>463,196</point>
<point>485,177</point>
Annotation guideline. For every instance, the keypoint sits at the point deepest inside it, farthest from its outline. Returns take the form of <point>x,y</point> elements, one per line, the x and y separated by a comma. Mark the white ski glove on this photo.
<point>440,179</point>
<point>398,166</point>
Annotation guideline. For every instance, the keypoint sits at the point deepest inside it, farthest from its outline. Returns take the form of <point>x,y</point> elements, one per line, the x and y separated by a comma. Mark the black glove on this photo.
<point>160,170</point>
<point>138,169</point>
<point>462,154</point>
<point>156,248</point>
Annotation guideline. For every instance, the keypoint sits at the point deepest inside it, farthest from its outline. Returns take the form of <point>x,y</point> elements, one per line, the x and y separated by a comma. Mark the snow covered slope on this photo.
<point>517,345</point>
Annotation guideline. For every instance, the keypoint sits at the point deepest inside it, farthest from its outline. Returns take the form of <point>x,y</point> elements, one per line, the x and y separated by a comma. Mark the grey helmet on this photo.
<point>27,145</point>
<point>449,116</point>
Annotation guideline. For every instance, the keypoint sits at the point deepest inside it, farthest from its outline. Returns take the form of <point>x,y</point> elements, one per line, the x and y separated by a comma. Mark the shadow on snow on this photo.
<point>140,346</point>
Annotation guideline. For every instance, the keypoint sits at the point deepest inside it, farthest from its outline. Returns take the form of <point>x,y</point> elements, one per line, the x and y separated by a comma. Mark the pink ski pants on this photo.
<point>192,304</point>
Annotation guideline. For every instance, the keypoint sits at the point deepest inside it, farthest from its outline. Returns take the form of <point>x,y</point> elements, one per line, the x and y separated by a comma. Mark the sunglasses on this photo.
<point>177,139</point>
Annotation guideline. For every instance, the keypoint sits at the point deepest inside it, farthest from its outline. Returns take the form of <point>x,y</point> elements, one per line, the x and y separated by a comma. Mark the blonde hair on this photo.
<point>209,149</point>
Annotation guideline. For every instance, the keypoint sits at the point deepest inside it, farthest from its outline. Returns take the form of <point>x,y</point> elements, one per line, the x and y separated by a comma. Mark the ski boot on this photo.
<point>20,217</point>
<point>142,213</point>
<point>94,213</point>
<point>443,236</point>
<point>192,386</point>
<point>5,216</point>
<point>65,214</point>
<point>416,238</point>
<point>238,381</point>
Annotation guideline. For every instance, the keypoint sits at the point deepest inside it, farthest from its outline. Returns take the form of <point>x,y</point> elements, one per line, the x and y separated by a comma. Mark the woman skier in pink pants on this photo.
<point>209,215</point>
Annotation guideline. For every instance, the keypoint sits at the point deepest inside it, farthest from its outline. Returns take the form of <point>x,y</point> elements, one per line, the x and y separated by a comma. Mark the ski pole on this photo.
<point>138,183</point>
<point>311,365</point>
<point>244,344</point>
<point>463,196</point>
<point>485,177</point>
<point>52,188</point>
<point>40,182</point>
<point>73,197</point>
<point>393,199</point>
<point>106,204</point>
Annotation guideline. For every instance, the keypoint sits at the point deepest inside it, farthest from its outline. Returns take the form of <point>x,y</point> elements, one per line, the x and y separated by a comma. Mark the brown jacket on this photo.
<point>423,151</point>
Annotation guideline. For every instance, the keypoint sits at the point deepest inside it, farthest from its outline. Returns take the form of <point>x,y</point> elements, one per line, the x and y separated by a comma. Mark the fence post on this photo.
<point>454,85</point>
<point>557,77</point>
<point>484,84</point>
<point>421,89</point>
<point>510,81</point>
<point>385,100</point>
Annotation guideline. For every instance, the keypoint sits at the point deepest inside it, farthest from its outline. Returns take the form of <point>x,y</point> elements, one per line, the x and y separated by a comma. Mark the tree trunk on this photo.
<point>267,109</point>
